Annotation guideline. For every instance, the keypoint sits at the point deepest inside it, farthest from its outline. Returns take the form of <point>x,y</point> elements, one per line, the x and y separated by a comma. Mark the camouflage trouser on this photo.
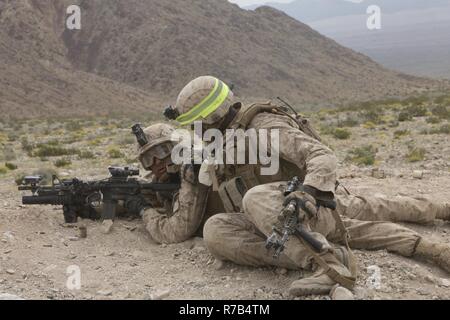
<point>419,210</point>
<point>240,237</point>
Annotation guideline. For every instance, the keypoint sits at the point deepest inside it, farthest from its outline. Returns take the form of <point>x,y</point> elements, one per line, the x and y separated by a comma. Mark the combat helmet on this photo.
<point>159,144</point>
<point>205,99</point>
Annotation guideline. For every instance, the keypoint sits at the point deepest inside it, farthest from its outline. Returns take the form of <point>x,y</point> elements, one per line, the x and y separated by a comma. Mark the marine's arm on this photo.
<point>186,216</point>
<point>311,156</point>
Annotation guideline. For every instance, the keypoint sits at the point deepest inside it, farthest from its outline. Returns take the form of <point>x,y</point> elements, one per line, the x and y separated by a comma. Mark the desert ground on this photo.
<point>389,147</point>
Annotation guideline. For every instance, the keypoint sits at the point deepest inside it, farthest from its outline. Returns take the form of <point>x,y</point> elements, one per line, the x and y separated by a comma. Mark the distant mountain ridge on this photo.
<point>313,10</point>
<point>134,55</point>
<point>415,34</point>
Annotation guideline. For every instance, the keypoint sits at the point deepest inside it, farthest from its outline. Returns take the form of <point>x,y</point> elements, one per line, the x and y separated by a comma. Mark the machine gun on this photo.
<point>291,219</point>
<point>81,198</point>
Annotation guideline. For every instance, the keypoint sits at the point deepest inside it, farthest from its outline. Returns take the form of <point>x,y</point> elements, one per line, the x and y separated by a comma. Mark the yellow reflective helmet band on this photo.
<point>208,105</point>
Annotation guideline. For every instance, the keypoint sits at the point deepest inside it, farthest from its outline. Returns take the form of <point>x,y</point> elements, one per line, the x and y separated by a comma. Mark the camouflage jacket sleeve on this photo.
<point>314,159</point>
<point>183,217</point>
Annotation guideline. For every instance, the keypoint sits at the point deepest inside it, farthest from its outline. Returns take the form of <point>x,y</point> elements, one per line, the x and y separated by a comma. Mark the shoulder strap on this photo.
<point>247,113</point>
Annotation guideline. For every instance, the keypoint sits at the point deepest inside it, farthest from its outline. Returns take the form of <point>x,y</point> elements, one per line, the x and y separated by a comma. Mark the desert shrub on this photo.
<point>73,126</point>
<point>433,120</point>
<point>19,179</point>
<point>417,111</point>
<point>11,166</point>
<point>404,116</point>
<point>444,129</point>
<point>373,115</point>
<point>393,124</point>
<point>416,101</point>
<point>61,163</point>
<point>369,125</point>
<point>342,134</point>
<point>440,99</point>
<point>27,146</point>
<point>363,156</point>
<point>53,150</point>
<point>441,112</point>
<point>86,155</point>
<point>115,153</point>
<point>46,173</point>
<point>7,154</point>
<point>416,154</point>
<point>348,122</point>
<point>127,140</point>
<point>95,142</point>
<point>3,170</point>
<point>400,133</point>
<point>12,137</point>
<point>326,130</point>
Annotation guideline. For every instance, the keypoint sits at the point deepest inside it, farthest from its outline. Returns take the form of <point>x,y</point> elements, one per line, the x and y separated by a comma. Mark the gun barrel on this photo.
<point>45,200</point>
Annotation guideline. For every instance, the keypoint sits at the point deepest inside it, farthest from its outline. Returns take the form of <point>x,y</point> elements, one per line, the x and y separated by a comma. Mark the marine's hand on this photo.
<point>135,205</point>
<point>304,201</point>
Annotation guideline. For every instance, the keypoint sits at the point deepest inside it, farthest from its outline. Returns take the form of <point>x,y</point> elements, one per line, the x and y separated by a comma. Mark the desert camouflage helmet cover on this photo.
<point>205,98</point>
<point>156,134</point>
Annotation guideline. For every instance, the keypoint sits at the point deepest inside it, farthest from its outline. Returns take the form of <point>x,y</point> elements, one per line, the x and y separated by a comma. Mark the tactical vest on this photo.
<point>238,179</point>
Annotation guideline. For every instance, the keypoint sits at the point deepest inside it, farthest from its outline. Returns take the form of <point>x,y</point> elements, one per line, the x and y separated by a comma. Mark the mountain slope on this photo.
<point>36,78</point>
<point>133,52</point>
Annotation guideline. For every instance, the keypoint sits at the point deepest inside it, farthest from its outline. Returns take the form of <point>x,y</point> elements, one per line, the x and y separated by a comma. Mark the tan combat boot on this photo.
<point>439,253</point>
<point>320,283</point>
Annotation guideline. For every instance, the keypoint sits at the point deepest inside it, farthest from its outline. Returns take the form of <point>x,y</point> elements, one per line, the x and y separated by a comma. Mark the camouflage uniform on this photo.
<point>184,216</point>
<point>241,237</point>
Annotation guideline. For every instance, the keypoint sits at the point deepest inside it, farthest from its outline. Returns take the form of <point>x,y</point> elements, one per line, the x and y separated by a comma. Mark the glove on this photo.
<point>135,205</point>
<point>304,201</point>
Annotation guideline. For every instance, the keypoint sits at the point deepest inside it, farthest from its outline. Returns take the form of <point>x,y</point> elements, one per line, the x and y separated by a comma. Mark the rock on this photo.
<point>7,251</point>
<point>418,174</point>
<point>160,295</point>
<point>8,236</point>
<point>199,250</point>
<point>378,173</point>
<point>430,279</point>
<point>194,243</point>
<point>341,293</point>
<point>107,226</point>
<point>74,239</point>
<point>10,271</point>
<point>445,283</point>
<point>9,297</point>
<point>218,264</point>
<point>105,293</point>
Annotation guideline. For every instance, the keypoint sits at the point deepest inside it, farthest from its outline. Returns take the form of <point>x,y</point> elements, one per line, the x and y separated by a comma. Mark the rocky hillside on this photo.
<point>133,54</point>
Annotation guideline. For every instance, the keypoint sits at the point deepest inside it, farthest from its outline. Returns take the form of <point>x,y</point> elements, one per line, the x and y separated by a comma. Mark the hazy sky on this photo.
<point>250,2</point>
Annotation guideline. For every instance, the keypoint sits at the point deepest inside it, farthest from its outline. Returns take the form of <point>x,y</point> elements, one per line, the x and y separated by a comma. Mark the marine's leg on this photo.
<point>397,239</point>
<point>233,237</point>
<point>395,209</point>
<point>263,204</point>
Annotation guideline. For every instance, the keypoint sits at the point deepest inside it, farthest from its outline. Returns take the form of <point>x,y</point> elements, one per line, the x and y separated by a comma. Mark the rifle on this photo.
<point>80,198</point>
<point>291,222</point>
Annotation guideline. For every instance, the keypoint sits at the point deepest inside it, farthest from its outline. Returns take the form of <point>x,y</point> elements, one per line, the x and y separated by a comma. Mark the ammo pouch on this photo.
<point>232,193</point>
